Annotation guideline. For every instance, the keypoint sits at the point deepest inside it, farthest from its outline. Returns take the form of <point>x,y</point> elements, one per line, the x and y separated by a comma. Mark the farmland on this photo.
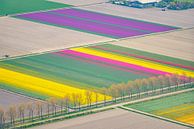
<point>20,37</point>
<point>178,107</point>
<point>95,23</point>
<point>80,69</point>
<point>23,6</point>
<point>8,99</point>
<point>144,64</point>
<point>102,120</point>
<point>91,63</point>
<point>177,44</point>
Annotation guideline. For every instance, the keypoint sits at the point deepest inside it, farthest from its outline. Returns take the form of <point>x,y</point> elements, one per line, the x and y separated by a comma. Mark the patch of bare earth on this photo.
<point>178,44</point>
<point>8,99</point>
<point>20,37</point>
<point>112,119</point>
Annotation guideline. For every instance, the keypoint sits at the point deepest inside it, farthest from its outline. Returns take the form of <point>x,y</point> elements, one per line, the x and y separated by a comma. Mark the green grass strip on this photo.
<point>8,7</point>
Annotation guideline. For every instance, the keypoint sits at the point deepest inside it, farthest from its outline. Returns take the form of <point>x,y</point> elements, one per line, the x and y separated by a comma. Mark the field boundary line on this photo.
<point>155,116</point>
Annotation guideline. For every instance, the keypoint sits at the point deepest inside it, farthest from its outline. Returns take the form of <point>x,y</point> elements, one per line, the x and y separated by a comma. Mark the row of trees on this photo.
<point>51,107</point>
<point>176,4</point>
<point>146,85</point>
<point>75,101</point>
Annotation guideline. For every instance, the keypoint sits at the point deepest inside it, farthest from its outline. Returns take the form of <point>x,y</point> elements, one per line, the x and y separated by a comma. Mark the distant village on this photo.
<point>164,4</point>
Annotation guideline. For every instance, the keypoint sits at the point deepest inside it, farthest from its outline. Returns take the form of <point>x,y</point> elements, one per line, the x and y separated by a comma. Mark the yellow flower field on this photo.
<point>183,113</point>
<point>39,85</point>
<point>189,119</point>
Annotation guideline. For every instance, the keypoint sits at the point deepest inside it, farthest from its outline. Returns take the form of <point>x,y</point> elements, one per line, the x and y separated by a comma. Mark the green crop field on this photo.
<point>178,107</point>
<point>23,6</point>
<point>85,68</point>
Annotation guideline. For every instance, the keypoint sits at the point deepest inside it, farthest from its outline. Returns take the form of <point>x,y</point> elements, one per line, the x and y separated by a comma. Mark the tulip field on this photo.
<point>177,107</point>
<point>77,70</point>
<point>95,23</point>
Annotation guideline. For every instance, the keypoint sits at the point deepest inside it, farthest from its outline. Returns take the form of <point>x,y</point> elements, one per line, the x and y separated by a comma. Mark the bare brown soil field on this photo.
<point>183,18</point>
<point>20,37</point>
<point>178,44</point>
<point>80,2</point>
<point>112,119</point>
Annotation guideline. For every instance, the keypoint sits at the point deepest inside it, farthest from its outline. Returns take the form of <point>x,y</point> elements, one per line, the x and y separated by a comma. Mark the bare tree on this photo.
<point>153,82</point>
<point>48,107</point>
<point>39,108</point>
<point>67,102</point>
<point>79,100</point>
<point>74,99</point>
<point>130,88</point>
<point>96,98</point>
<point>190,80</point>
<point>160,80</point>
<point>145,85</point>
<point>61,103</point>
<point>105,93</point>
<point>21,111</point>
<point>12,114</point>
<point>183,78</point>
<point>113,90</point>
<point>30,108</point>
<point>166,81</point>
<point>53,102</point>
<point>175,80</point>
<point>137,84</point>
<point>2,118</point>
<point>121,90</point>
<point>88,95</point>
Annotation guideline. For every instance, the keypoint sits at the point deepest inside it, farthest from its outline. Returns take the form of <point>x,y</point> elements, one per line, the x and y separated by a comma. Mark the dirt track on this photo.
<point>178,44</point>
